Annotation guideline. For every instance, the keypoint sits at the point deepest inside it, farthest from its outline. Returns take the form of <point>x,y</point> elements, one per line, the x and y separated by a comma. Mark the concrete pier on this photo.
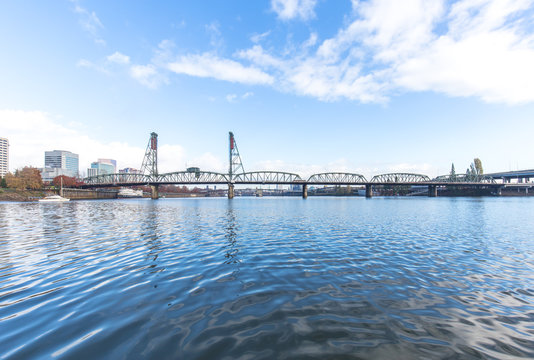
<point>230,191</point>
<point>368,191</point>
<point>432,191</point>
<point>305,191</point>
<point>154,192</point>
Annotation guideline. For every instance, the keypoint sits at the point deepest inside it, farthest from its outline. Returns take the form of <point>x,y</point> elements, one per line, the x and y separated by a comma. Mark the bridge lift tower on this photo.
<point>150,163</point>
<point>236,165</point>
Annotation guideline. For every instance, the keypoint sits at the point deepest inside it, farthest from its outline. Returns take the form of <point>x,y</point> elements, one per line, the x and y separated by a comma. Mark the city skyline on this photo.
<point>306,86</point>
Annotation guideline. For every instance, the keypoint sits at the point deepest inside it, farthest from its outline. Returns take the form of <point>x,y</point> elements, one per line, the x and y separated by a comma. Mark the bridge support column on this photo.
<point>498,191</point>
<point>154,192</point>
<point>305,191</point>
<point>230,191</point>
<point>368,191</point>
<point>432,191</point>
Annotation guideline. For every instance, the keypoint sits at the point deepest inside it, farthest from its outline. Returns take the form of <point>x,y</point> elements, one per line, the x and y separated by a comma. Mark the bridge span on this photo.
<point>237,176</point>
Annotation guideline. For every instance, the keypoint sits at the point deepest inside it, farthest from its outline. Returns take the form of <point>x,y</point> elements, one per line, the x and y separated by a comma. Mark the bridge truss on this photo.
<point>333,178</point>
<point>192,177</point>
<point>400,178</point>
<point>267,177</point>
<point>463,178</point>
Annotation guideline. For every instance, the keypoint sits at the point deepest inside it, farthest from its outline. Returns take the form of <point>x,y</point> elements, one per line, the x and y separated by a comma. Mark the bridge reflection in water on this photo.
<point>237,176</point>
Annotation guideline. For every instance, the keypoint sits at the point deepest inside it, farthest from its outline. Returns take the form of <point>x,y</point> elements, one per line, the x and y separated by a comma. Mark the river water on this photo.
<point>265,278</point>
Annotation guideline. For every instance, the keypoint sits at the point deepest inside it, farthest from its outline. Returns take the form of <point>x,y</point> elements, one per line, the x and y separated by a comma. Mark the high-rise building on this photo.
<point>103,166</point>
<point>4,156</point>
<point>59,162</point>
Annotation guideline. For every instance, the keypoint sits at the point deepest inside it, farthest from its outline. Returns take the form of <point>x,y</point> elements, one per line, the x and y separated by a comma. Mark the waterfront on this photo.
<point>268,278</point>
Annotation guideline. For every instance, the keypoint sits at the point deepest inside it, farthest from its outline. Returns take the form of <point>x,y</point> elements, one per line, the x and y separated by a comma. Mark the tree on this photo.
<point>453,173</point>
<point>478,166</point>
<point>26,178</point>
<point>13,182</point>
<point>67,181</point>
<point>3,182</point>
<point>30,177</point>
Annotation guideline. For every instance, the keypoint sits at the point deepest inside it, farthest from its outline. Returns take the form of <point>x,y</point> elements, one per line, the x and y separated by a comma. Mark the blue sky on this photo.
<point>305,85</point>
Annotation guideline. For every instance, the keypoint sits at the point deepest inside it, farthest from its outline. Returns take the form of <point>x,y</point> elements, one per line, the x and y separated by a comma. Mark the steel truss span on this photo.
<point>463,178</point>
<point>400,178</point>
<point>195,177</point>
<point>336,178</point>
<point>266,177</point>
<point>106,179</point>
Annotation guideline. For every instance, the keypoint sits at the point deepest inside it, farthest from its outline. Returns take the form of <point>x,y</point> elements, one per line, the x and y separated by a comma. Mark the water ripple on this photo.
<point>268,278</point>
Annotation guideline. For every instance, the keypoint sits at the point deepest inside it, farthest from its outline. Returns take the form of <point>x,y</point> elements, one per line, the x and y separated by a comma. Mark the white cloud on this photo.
<point>481,48</point>
<point>209,65</point>
<point>247,95</point>
<point>119,58</point>
<point>147,75</point>
<point>256,38</point>
<point>83,63</point>
<point>290,9</point>
<point>231,98</point>
<point>31,133</point>
<point>89,22</point>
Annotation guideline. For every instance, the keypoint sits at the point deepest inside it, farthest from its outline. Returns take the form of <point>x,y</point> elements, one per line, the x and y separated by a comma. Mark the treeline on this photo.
<point>29,178</point>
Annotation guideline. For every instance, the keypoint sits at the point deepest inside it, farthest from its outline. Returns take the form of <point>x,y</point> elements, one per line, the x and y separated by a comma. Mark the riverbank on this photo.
<point>21,195</point>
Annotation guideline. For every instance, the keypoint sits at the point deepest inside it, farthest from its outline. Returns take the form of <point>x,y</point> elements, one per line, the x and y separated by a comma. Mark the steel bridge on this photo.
<point>238,176</point>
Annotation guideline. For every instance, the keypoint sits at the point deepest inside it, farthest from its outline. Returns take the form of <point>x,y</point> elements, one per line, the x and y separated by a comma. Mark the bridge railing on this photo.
<point>336,178</point>
<point>400,178</point>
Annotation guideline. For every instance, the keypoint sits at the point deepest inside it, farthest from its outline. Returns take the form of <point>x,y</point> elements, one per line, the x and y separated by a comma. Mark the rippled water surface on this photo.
<point>268,278</point>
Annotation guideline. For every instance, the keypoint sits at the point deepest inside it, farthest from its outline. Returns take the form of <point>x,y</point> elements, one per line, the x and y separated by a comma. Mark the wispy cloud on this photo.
<point>256,38</point>
<point>89,22</point>
<point>147,75</point>
<point>83,63</point>
<point>209,65</point>
<point>118,58</point>
<point>291,9</point>
<point>231,98</point>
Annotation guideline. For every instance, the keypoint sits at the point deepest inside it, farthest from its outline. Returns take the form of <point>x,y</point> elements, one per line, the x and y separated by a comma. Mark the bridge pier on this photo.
<point>498,191</point>
<point>369,191</point>
<point>154,192</point>
<point>230,191</point>
<point>304,191</point>
<point>432,191</point>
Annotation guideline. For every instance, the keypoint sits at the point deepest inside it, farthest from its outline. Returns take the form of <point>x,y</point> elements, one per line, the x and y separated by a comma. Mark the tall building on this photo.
<point>4,156</point>
<point>59,163</point>
<point>103,166</point>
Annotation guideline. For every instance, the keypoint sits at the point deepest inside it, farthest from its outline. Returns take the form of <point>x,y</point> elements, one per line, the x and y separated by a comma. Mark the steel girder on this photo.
<point>271,177</point>
<point>188,177</point>
<point>112,179</point>
<point>336,178</point>
<point>400,178</point>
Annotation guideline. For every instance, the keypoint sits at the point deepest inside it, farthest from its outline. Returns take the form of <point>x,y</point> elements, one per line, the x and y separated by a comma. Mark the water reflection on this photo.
<point>231,228</point>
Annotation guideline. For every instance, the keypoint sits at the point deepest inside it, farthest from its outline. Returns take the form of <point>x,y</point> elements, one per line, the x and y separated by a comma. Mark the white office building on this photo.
<point>4,156</point>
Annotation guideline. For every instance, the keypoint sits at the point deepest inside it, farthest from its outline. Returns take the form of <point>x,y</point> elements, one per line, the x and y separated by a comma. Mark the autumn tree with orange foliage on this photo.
<point>25,178</point>
<point>67,181</point>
